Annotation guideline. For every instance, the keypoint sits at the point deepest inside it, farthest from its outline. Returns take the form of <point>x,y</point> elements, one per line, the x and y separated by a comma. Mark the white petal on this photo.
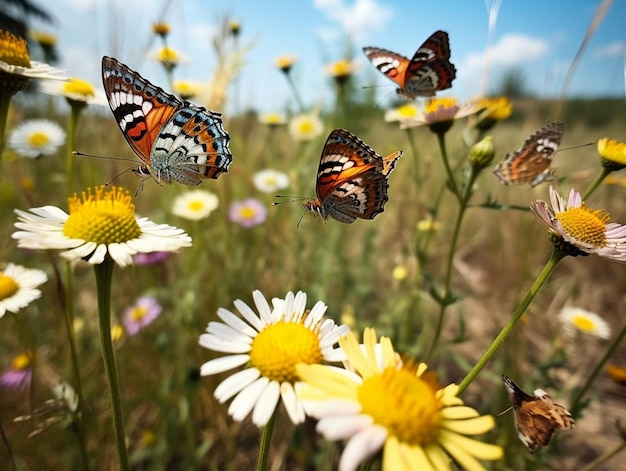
<point>340,426</point>
<point>362,446</point>
<point>266,404</point>
<point>219,365</point>
<point>262,306</point>
<point>220,344</point>
<point>249,315</point>
<point>294,406</point>
<point>235,322</point>
<point>226,332</point>
<point>235,383</point>
<point>246,399</point>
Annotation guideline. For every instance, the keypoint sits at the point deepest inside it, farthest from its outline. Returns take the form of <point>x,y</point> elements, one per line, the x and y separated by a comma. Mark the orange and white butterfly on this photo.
<point>352,179</point>
<point>531,163</point>
<point>429,71</point>
<point>176,140</point>
<point>536,417</point>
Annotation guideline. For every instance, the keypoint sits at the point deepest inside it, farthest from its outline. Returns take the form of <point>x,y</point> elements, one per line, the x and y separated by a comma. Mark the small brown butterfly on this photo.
<point>531,163</point>
<point>536,417</point>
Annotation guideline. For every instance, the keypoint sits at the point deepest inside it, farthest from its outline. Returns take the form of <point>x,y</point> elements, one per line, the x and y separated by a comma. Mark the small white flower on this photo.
<point>195,204</point>
<point>77,90</point>
<point>18,287</point>
<point>36,137</point>
<point>306,127</point>
<point>37,70</point>
<point>577,319</point>
<point>270,345</point>
<point>270,181</point>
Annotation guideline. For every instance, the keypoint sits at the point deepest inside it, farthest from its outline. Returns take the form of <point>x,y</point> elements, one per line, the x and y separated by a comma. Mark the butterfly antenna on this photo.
<point>292,200</point>
<point>104,157</point>
<point>578,146</point>
<point>504,411</point>
<point>300,220</point>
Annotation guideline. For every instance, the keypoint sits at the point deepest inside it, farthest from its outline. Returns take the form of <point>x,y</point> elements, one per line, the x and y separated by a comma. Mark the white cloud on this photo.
<point>510,51</point>
<point>357,19</point>
<point>614,49</point>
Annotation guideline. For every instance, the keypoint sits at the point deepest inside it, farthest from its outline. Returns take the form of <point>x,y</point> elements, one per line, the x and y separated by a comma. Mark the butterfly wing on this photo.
<point>393,65</point>
<point>533,159</point>
<point>140,108</point>
<point>352,178</point>
<point>177,141</point>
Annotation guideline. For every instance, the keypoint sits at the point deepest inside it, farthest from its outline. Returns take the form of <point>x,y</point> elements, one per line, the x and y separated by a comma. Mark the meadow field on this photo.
<point>454,258</point>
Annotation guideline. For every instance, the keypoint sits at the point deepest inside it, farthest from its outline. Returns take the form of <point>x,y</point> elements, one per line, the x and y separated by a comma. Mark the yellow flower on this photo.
<point>396,406</point>
<point>341,70</point>
<point>617,373</point>
<point>234,27</point>
<point>481,154</point>
<point>612,153</point>
<point>273,119</point>
<point>400,273</point>
<point>491,111</point>
<point>187,89</point>
<point>161,29</point>
<point>404,112</point>
<point>285,63</point>
<point>306,127</point>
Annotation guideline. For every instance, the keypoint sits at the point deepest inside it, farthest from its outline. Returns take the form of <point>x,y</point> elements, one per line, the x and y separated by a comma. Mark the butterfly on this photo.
<point>429,71</point>
<point>536,417</point>
<point>176,140</point>
<point>352,179</point>
<point>531,163</point>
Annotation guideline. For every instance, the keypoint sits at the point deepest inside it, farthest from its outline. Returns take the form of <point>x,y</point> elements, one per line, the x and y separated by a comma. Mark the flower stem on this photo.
<point>266,439</point>
<point>445,300</point>
<point>580,393</point>
<point>601,176</point>
<point>71,144</point>
<point>292,85</point>
<point>441,139</point>
<point>104,276</point>
<point>416,163</point>
<point>5,100</point>
<point>553,261</point>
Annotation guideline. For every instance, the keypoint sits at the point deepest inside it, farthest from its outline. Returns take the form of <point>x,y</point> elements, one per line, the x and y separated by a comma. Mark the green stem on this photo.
<point>71,144</point>
<point>596,371</point>
<point>547,270</point>
<point>5,101</point>
<point>441,139</point>
<point>445,299</point>
<point>68,311</point>
<point>104,276</point>
<point>601,176</point>
<point>266,439</point>
<point>294,90</point>
<point>595,464</point>
<point>416,163</point>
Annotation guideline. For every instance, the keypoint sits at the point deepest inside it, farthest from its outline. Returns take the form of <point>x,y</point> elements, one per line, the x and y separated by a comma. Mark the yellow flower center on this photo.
<point>38,139</point>
<point>403,403</point>
<point>281,346</point>
<point>247,212</point>
<point>434,104</point>
<point>138,313</point>
<point>270,181</point>
<point>167,55</point>
<point>102,217</point>
<point>341,68</point>
<point>196,205</point>
<point>306,127</point>
<point>585,225</point>
<point>13,50</point>
<point>20,362</point>
<point>584,323</point>
<point>77,87</point>
<point>496,108</point>
<point>408,111</point>
<point>284,63</point>
<point>8,286</point>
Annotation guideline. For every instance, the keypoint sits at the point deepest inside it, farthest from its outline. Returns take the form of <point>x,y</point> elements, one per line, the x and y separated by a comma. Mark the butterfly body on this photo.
<point>531,163</point>
<point>352,179</point>
<point>536,417</point>
<point>429,71</point>
<point>176,140</point>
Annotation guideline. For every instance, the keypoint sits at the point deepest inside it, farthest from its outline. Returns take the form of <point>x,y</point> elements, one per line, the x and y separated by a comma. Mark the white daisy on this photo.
<point>100,223</point>
<point>36,137</point>
<point>270,181</point>
<point>407,111</point>
<point>18,287</point>
<point>76,90</point>
<point>306,127</point>
<point>380,402</point>
<point>270,344</point>
<point>587,230</point>
<point>195,204</point>
<point>577,319</point>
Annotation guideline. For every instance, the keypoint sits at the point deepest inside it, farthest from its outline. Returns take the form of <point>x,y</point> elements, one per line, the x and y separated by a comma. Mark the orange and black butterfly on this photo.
<point>536,417</point>
<point>429,71</point>
<point>531,162</point>
<point>352,179</point>
<point>175,140</point>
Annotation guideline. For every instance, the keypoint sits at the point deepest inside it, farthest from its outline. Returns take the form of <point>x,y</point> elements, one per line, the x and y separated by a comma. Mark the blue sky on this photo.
<point>539,38</point>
